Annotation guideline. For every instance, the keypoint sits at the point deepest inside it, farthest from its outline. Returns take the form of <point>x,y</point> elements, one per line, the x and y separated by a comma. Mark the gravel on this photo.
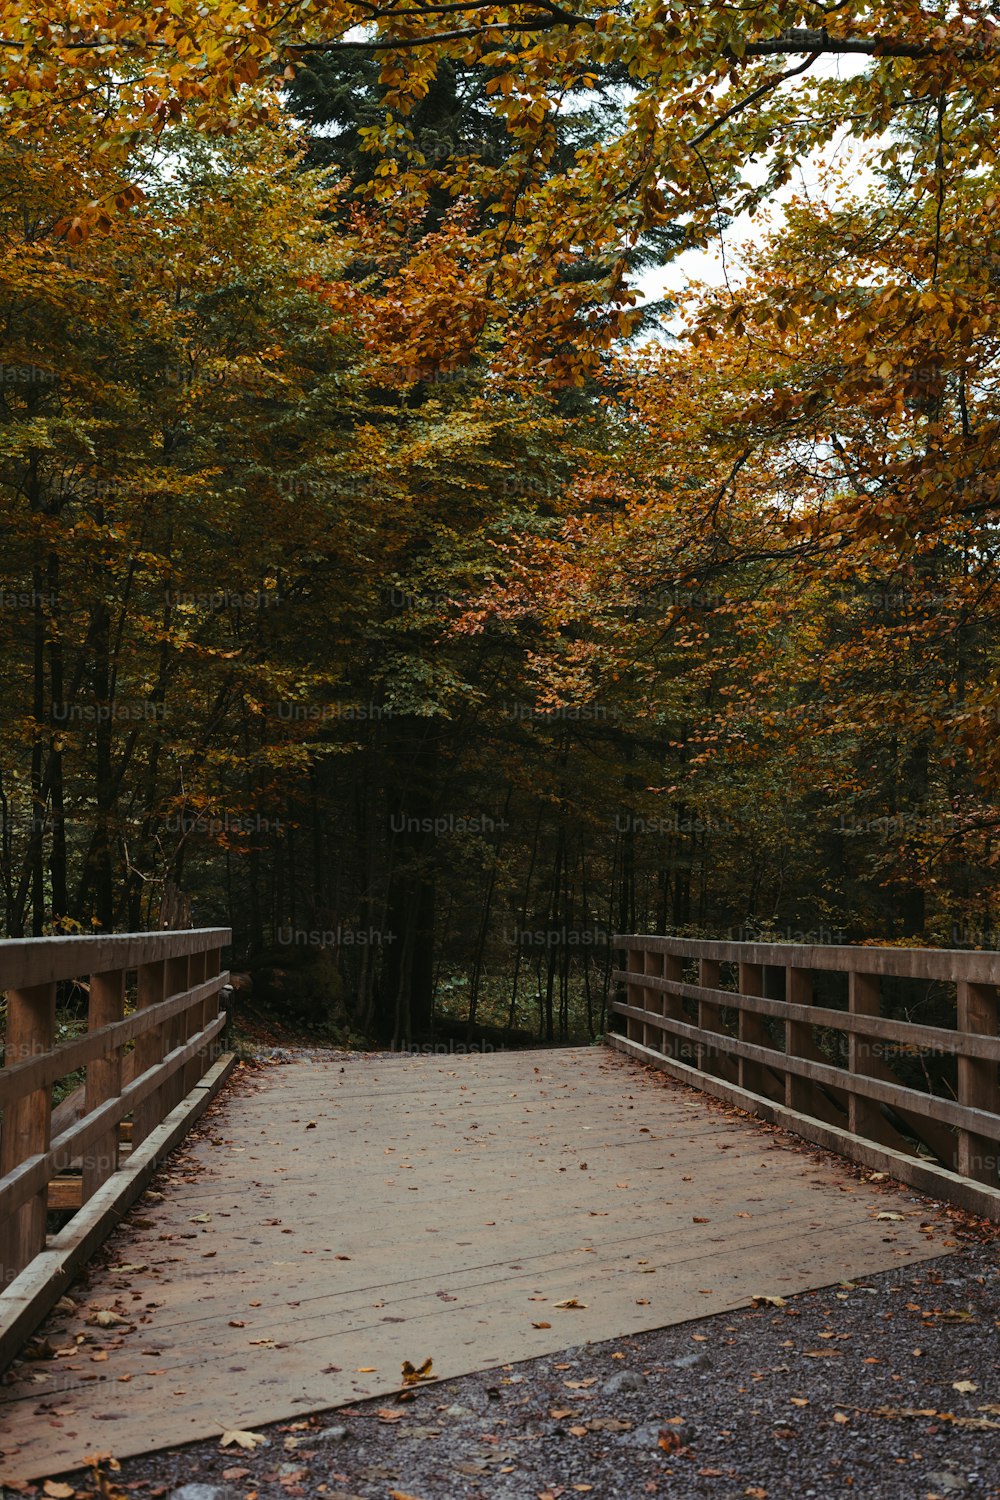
<point>885,1390</point>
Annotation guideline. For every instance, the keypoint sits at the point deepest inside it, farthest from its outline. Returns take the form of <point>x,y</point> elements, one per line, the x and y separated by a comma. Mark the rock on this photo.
<point>947,1483</point>
<point>623,1380</point>
<point>648,1434</point>
<point>459,1411</point>
<point>204,1492</point>
<point>697,1361</point>
<point>329,1435</point>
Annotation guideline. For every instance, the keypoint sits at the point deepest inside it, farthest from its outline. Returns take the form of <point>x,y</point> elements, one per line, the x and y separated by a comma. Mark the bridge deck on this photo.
<point>334,1218</point>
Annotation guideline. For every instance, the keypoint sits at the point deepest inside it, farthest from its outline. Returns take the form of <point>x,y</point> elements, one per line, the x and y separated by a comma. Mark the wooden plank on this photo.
<point>27,1124</point>
<point>32,1177</point>
<point>881,1028</point>
<point>933,1106</point>
<point>104,1078</point>
<point>177,971</point>
<point>979,1085</point>
<point>653,964</point>
<point>324,1161</point>
<point>32,961</point>
<point>906,963</point>
<point>751,1028</point>
<point>65,1193</point>
<point>151,1045</point>
<point>28,1298</point>
<point>38,1072</point>
<point>709,1016</point>
<point>929,1178</point>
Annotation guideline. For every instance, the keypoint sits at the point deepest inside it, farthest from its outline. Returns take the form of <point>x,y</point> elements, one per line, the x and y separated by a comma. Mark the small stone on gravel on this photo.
<point>623,1380</point>
<point>203,1492</point>
<point>329,1435</point>
<point>696,1361</point>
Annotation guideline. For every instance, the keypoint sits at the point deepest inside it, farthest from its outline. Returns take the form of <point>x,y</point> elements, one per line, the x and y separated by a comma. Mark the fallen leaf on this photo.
<point>412,1376</point>
<point>799,1400</point>
<point>569,1302</point>
<point>201,1219</point>
<point>105,1318</point>
<point>964,1387</point>
<point>541,1325</point>
<point>57,1491</point>
<point>248,1440</point>
<point>389,1414</point>
<point>769,1301</point>
<point>890,1218</point>
<point>841,1417</point>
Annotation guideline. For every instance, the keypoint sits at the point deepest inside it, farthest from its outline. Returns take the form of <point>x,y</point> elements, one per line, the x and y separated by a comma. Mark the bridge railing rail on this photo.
<point>138,1068</point>
<point>741,1020</point>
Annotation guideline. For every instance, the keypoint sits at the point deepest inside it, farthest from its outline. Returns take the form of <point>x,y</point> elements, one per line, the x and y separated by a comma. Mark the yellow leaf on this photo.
<point>249,1440</point>
<point>57,1491</point>
<point>411,1375</point>
<point>569,1302</point>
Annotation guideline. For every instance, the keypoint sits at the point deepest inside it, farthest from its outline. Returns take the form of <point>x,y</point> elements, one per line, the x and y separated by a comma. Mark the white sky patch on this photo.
<point>844,160</point>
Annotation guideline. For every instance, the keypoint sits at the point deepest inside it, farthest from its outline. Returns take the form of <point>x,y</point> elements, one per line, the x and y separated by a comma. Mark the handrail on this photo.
<point>173,1034</point>
<point>721,1040</point>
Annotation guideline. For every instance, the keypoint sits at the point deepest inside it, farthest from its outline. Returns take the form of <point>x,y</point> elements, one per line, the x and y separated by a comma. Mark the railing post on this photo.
<point>193,1017</point>
<point>104,1077</point>
<point>798,1037</point>
<point>149,1049</point>
<point>673,1006</point>
<point>864,999</point>
<point>635,964</point>
<point>752,1028</point>
<point>176,1029</point>
<point>652,1035</point>
<point>27,1124</point>
<point>709,1015</point>
<point>212,1006</point>
<point>978,1082</point>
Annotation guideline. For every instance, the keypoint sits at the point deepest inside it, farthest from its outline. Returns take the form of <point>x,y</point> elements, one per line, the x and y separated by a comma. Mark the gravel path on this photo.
<point>887,1389</point>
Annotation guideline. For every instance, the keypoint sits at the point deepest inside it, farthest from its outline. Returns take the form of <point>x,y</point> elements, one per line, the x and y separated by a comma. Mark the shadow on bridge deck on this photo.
<point>332,1218</point>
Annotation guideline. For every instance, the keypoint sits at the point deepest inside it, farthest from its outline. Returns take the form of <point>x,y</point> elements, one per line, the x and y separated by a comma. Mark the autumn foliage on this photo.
<point>376,565</point>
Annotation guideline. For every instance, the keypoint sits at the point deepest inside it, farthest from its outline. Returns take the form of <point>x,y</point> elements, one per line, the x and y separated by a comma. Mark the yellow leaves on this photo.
<point>413,1376</point>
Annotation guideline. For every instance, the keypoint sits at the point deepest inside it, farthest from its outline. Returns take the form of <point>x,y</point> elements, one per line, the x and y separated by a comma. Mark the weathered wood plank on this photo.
<point>906,963</point>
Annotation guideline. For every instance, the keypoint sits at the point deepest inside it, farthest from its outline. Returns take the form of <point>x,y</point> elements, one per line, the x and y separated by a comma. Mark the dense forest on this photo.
<point>384,571</point>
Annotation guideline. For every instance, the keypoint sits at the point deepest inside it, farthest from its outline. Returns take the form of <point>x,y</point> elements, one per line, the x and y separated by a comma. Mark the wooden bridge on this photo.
<point>338,1214</point>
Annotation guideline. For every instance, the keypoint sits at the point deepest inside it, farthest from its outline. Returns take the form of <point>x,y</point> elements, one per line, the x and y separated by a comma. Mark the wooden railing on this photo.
<point>139,1067</point>
<point>742,1021</point>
